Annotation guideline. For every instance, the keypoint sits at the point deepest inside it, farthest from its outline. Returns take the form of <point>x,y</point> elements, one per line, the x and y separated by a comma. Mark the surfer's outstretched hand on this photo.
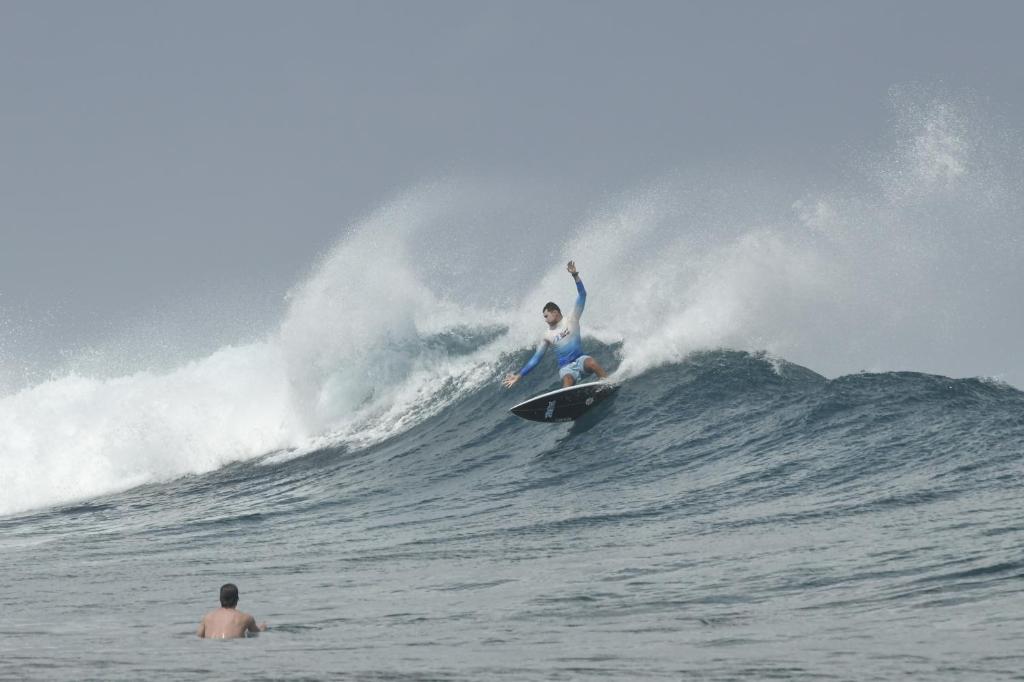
<point>571,267</point>
<point>510,380</point>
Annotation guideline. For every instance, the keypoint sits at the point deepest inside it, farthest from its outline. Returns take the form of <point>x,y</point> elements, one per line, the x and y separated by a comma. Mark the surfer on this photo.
<point>227,622</point>
<point>564,335</point>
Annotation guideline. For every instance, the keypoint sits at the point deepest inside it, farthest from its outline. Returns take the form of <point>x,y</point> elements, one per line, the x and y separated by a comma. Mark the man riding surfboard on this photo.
<point>564,336</point>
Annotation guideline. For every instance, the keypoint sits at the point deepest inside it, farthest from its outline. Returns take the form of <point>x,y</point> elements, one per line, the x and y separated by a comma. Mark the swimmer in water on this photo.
<point>227,622</point>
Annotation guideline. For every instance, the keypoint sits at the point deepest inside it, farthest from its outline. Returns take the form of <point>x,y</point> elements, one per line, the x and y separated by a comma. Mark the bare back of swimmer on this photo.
<point>227,622</point>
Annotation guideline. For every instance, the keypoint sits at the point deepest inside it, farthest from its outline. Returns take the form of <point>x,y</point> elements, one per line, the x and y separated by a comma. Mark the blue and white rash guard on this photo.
<point>565,338</point>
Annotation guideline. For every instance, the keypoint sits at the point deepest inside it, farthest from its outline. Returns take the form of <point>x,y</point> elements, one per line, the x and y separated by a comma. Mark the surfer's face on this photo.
<point>552,317</point>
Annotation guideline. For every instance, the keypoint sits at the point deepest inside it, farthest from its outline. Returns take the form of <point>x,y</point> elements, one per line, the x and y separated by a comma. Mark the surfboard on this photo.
<point>565,404</point>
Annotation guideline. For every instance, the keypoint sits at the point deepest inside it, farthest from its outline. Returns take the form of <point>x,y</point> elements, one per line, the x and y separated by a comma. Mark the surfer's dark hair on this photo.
<point>229,595</point>
<point>550,305</point>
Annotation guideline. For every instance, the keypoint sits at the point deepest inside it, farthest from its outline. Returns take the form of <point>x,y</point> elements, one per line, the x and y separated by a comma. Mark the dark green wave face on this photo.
<point>733,516</point>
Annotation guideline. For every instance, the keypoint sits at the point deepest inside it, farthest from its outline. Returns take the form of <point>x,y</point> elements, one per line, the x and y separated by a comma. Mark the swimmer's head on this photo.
<point>229,596</point>
<point>552,313</point>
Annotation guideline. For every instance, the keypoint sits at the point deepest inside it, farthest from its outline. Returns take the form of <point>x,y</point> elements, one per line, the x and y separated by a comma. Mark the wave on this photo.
<point>912,263</point>
<point>745,429</point>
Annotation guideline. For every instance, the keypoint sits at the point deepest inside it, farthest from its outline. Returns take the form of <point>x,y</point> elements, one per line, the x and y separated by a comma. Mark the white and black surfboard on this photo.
<point>565,404</point>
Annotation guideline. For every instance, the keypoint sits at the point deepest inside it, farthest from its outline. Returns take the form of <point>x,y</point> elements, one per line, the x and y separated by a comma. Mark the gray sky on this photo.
<point>170,155</point>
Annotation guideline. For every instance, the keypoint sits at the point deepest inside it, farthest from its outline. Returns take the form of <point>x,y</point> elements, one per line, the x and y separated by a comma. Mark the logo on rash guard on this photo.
<point>562,334</point>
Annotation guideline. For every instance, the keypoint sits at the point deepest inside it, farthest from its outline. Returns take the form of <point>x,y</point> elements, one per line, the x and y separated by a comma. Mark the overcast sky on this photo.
<point>155,153</point>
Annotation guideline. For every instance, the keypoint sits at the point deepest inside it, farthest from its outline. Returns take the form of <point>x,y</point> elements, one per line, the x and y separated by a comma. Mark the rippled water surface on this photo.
<point>725,518</point>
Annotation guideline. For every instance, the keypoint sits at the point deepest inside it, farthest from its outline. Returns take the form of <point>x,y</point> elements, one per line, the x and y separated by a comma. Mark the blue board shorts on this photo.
<point>575,368</point>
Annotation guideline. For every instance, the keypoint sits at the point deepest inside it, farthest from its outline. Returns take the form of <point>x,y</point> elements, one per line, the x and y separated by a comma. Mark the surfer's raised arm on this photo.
<point>581,298</point>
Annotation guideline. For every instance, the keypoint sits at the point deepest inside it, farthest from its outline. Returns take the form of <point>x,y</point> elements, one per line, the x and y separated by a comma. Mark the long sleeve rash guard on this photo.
<point>565,338</point>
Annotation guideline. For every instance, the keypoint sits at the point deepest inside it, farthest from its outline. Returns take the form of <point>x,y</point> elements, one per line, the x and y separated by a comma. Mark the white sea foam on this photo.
<point>914,264</point>
<point>350,364</point>
<point>75,437</point>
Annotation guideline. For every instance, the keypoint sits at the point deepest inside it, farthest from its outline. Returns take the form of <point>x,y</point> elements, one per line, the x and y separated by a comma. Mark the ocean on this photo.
<point>771,493</point>
<point>728,517</point>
